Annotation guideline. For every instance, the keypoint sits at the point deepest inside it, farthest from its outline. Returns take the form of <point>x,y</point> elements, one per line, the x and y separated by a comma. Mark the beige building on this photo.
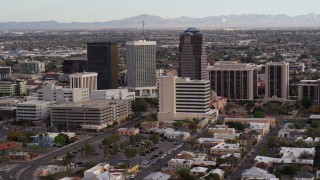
<point>91,115</point>
<point>277,83</point>
<point>224,148</point>
<point>214,130</point>
<point>182,99</point>
<point>127,131</point>
<point>50,92</point>
<point>34,110</point>
<point>84,80</point>
<point>179,163</point>
<point>11,88</point>
<point>234,80</point>
<point>271,121</point>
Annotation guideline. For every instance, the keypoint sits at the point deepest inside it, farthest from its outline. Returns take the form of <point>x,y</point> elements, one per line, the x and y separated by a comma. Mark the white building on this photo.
<point>182,99</point>
<point>84,80</point>
<point>31,67</point>
<point>112,94</point>
<point>34,110</point>
<point>157,176</point>
<point>225,148</point>
<point>257,173</point>
<point>179,135</point>
<point>141,66</point>
<point>179,163</point>
<point>50,92</point>
<point>294,153</point>
<point>95,171</point>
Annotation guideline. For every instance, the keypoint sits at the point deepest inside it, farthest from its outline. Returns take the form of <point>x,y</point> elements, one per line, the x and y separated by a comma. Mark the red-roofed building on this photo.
<point>8,146</point>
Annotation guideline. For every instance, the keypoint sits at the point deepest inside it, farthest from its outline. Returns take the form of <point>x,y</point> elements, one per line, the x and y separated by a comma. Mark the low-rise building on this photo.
<point>157,176</point>
<point>295,153</point>
<point>47,139</point>
<point>270,121</point>
<point>34,110</point>
<point>179,163</point>
<point>149,124</point>
<point>127,131</point>
<point>272,160</point>
<point>112,94</point>
<point>19,156</point>
<point>303,175</point>
<point>210,141</point>
<point>214,130</point>
<point>13,88</point>
<point>178,135</point>
<point>225,148</point>
<point>96,170</point>
<point>91,115</point>
<point>198,171</point>
<point>257,173</point>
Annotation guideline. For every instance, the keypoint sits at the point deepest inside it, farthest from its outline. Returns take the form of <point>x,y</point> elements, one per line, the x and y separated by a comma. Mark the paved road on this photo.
<point>247,162</point>
<point>25,170</point>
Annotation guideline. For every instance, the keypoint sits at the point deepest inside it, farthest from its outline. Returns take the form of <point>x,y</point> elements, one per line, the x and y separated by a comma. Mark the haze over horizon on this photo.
<point>107,10</point>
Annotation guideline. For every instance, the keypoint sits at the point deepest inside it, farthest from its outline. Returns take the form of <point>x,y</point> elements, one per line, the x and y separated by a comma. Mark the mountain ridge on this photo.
<point>151,21</point>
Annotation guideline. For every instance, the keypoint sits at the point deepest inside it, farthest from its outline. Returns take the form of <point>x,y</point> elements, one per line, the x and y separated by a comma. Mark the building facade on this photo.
<point>192,55</point>
<point>309,89</point>
<point>75,65</point>
<point>11,88</point>
<point>51,92</point>
<point>31,67</point>
<point>34,110</point>
<point>91,115</point>
<point>103,59</point>
<point>183,98</point>
<point>234,80</point>
<point>5,73</point>
<point>141,67</point>
<point>84,80</point>
<point>112,94</point>
<point>277,84</point>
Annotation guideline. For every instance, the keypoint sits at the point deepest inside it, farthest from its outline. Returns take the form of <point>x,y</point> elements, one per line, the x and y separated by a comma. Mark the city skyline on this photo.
<point>81,11</point>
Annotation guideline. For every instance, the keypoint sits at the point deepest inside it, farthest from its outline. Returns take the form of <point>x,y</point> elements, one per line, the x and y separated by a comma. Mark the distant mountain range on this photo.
<point>229,21</point>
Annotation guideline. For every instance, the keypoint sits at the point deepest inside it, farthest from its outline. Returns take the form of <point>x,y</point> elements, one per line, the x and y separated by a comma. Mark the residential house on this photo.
<point>225,148</point>
<point>179,163</point>
<point>6,147</point>
<point>198,171</point>
<point>303,175</point>
<point>257,173</point>
<point>157,176</point>
<point>178,135</point>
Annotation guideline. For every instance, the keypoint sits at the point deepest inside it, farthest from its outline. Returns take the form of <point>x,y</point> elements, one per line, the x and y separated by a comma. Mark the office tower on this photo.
<point>141,66</point>
<point>31,67</point>
<point>277,85</point>
<point>309,89</point>
<point>103,59</point>
<point>183,98</point>
<point>192,55</point>
<point>234,80</point>
<point>5,73</point>
<point>75,65</point>
<point>84,80</point>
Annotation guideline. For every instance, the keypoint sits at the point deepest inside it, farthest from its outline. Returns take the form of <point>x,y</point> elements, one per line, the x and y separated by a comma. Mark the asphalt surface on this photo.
<point>25,170</point>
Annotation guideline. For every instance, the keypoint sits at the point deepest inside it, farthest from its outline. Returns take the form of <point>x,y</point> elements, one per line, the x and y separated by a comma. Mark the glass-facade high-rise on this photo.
<point>192,55</point>
<point>103,59</point>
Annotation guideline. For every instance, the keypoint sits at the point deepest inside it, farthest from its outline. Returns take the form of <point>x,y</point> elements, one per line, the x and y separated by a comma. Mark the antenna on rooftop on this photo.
<point>142,30</point>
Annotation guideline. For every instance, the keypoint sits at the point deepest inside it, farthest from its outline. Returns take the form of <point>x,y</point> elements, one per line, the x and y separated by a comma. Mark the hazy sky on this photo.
<point>105,10</point>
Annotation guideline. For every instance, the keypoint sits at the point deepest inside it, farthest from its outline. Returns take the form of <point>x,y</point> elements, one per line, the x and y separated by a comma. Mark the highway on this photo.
<point>25,170</point>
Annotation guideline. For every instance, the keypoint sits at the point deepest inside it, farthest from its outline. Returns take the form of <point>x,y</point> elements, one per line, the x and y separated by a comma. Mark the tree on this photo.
<point>88,149</point>
<point>139,106</point>
<point>155,138</point>
<point>177,124</point>
<point>184,172</point>
<point>317,156</point>
<point>238,125</point>
<point>122,146</point>
<point>132,140</point>
<point>160,153</point>
<point>107,141</point>
<point>131,152</point>
<point>306,102</point>
<point>259,114</point>
<point>68,158</point>
<point>213,176</point>
<point>148,144</point>
<point>60,140</point>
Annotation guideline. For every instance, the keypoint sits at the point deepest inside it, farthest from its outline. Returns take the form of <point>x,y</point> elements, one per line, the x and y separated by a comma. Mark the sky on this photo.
<point>105,10</point>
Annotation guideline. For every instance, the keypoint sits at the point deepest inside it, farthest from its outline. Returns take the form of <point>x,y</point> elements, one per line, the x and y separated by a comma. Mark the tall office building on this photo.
<point>141,66</point>
<point>183,98</point>
<point>309,89</point>
<point>5,73</point>
<point>75,65</point>
<point>192,55</point>
<point>84,80</point>
<point>277,84</point>
<point>103,59</point>
<point>234,80</point>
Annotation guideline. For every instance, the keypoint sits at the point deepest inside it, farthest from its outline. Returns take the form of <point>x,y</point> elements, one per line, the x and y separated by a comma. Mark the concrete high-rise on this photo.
<point>182,99</point>
<point>84,80</point>
<point>103,59</point>
<point>192,55</point>
<point>277,84</point>
<point>234,80</point>
<point>141,66</point>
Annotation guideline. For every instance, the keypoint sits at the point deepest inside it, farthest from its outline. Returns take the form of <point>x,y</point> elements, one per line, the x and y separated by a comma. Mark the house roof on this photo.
<point>158,176</point>
<point>8,145</point>
<point>303,174</point>
<point>254,171</point>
